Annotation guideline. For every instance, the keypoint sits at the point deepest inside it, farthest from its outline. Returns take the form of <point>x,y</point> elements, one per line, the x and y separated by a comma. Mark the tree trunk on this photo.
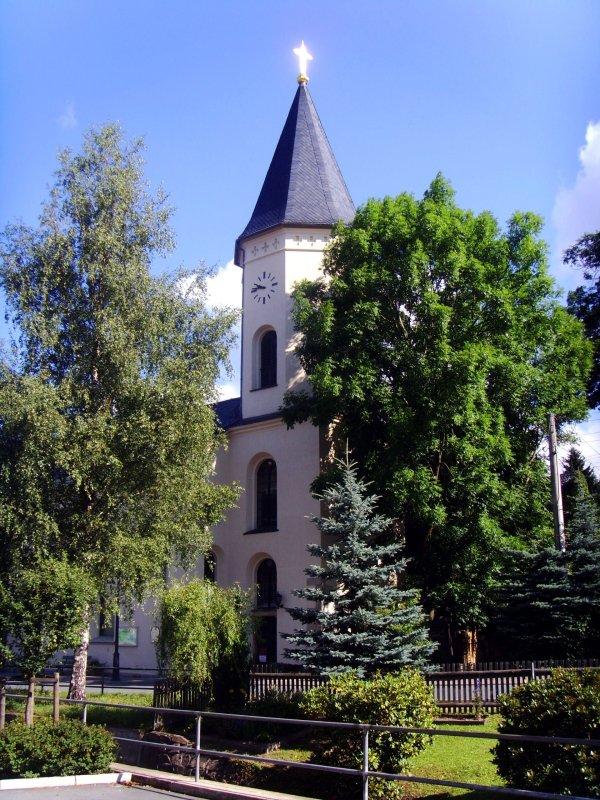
<point>30,702</point>
<point>77,684</point>
<point>469,647</point>
<point>450,641</point>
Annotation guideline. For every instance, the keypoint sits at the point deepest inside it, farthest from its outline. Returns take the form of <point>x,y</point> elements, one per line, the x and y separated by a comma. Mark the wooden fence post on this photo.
<point>2,704</point>
<point>55,697</point>
<point>30,702</point>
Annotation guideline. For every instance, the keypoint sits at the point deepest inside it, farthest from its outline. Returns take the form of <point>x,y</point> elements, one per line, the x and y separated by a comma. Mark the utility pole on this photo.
<point>560,541</point>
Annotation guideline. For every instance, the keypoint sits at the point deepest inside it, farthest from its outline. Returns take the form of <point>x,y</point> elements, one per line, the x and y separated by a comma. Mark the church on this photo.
<point>262,542</point>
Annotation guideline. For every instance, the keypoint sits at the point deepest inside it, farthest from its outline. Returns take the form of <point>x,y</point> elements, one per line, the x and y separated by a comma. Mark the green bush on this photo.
<point>401,699</point>
<point>63,748</point>
<point>567,703</point>
<point>276,704</point>
<point>273,704</point>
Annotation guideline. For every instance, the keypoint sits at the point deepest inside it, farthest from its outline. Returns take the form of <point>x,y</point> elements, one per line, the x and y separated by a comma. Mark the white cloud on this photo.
<point>68,119</point>
<point>587,441</point>
<point>224,289</point>
<point>577,208</point>
<point>228,389</point>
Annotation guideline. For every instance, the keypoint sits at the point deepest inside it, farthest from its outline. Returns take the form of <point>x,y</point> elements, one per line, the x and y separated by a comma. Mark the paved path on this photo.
<point>98,792</point>
<point>156,786</point>
<point>185,785</point>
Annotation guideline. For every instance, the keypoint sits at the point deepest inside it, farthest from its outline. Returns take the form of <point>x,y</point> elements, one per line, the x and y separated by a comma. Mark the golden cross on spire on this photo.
<point>303,57</point>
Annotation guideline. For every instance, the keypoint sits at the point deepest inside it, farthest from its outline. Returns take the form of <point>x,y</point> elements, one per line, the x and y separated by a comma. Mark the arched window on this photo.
<point>265,640</point>
<point>266,496</point>
<point>266,580</point>
<point>268,360</point>
<point>210,567</point>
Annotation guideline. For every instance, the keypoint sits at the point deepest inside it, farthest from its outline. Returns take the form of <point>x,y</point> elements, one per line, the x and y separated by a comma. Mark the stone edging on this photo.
<point>64,780</point>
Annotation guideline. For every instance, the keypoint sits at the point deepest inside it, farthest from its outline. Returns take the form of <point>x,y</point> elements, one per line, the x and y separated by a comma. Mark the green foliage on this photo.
<point>583,562</point>
<point>399,699</point>
<point>50,749</point>
<point>273,704</point>
<point>360,617</point>
<point>203,637</point>
<point>533,606</point>
<point>565,704</point>
<point>548,603</point>
<point>107,431</point>
<point>577,474</point>
<point>584,302</point>
<point>436,344</point>
<point>41,609</point>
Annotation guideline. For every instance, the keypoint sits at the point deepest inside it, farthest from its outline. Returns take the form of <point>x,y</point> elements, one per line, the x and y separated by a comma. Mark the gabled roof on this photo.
<point>229,412</point>
<point>304,185</point>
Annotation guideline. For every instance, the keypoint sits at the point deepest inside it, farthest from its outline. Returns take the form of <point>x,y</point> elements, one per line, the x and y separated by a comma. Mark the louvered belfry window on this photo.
<point>268,360</point>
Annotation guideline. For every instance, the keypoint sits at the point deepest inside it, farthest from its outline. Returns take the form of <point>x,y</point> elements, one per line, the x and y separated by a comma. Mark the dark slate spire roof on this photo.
<point>304,185</point>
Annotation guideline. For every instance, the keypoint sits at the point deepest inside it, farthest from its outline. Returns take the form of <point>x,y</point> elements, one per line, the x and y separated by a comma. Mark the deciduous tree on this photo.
<point>107,432</point>
<point>436,344</point>
<point>584,302</point>
<point>41,608</point>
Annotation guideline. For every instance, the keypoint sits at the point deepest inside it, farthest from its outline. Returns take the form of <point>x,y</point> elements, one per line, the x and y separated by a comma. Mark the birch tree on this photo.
<point>107,430</point>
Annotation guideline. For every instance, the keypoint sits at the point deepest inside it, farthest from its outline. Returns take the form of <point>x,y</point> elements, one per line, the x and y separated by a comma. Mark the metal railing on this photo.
<point>365,729</point>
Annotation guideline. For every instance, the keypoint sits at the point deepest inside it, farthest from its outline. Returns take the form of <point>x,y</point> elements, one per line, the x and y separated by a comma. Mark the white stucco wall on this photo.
<point>288,254</point>
<point>238,550</point>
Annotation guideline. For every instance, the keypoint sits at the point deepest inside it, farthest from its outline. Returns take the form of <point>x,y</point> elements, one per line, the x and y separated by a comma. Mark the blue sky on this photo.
<point>502,96</point>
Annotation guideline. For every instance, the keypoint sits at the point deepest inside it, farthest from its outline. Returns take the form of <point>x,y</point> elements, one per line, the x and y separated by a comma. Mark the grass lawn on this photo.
<point>98,715</point>
<point>453,758</point>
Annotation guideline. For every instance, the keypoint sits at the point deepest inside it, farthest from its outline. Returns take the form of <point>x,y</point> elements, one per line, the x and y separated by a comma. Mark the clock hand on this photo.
<point>256,287</point>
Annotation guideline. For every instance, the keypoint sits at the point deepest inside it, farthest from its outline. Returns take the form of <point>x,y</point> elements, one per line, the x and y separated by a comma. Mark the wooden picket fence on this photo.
<point>171,693</point>
<point>283,683</point>
<point>455,691</point>
<point>493,666</point>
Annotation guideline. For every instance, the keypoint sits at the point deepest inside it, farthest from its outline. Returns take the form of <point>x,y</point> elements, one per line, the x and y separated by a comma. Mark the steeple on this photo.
<point>304,185</point>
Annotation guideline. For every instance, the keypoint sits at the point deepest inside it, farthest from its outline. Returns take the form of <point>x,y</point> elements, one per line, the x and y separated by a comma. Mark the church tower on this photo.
<point>262,543</point>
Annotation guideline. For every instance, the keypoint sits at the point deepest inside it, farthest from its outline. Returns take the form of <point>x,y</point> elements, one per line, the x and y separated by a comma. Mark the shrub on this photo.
<point>567,703</point>
<point>273,704</point>
<point>203,639</point>
<point>401,699</point>
<point>64,748</point>
<point>276,704</point>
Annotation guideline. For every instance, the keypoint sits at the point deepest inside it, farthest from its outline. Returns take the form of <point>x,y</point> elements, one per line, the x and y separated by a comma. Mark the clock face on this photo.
<point>263,287</point>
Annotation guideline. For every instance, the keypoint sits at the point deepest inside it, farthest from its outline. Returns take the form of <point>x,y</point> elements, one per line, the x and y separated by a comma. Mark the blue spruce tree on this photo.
<point>363,619</point>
